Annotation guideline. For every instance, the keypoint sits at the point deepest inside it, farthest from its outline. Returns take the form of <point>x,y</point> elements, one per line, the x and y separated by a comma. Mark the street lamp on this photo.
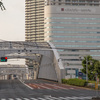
<point>86,67</point>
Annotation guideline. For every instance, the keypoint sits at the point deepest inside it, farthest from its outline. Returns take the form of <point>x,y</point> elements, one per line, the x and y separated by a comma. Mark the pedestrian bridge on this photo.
<point>42,55</point>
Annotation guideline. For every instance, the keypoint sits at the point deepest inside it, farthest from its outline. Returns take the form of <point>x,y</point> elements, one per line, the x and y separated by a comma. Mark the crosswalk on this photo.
<point>49,86</point>
<point>51,98</point>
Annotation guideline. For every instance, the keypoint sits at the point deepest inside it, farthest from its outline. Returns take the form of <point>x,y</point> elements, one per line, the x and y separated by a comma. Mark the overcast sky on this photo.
<point>12,23</point>
<point>12,20</point>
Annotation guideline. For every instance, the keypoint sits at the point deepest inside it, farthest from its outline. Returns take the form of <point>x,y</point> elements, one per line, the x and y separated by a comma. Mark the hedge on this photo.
<point>76,82</point>
<point>64,81</point>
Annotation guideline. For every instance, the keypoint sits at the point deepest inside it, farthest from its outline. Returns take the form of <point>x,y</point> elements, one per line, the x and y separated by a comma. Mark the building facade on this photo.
<point>73,24</point>
<point>34,20</point>
<point>34,23</point>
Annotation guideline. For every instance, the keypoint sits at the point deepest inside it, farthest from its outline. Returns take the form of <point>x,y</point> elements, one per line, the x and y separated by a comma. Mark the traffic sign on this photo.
<point>80,74</point>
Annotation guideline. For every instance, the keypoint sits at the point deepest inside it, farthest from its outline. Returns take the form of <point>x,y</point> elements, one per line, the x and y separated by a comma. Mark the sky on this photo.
<point>12,20</point>
<point>12,24</point>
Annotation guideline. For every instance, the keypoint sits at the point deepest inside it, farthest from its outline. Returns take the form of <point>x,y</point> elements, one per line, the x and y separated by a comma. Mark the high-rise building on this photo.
<point>73,24</point>
<point>34,20</point>
<point>34,23</point>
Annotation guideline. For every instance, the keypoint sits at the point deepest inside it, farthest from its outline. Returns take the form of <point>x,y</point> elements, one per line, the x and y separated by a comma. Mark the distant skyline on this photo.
<point>12,20</point>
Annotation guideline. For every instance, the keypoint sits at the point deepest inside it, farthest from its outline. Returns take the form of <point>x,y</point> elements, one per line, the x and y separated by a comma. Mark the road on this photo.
<point>42,90</point>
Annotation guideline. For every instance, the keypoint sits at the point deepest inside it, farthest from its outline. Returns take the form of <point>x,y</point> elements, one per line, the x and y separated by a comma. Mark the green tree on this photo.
<point>97,68</point>
<point>90,66</point>
<point>93,67</point>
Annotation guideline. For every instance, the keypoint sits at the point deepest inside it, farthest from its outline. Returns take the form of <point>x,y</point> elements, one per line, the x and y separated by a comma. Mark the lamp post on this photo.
<point>70,72</point>
<point>86,68</point>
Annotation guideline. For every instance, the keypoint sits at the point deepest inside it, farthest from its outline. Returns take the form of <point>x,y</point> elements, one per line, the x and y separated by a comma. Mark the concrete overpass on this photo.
<point>10,70</point>
<point>49,65</point>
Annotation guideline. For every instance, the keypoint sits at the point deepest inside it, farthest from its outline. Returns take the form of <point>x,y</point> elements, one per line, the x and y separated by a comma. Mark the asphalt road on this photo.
<point>42,90</point>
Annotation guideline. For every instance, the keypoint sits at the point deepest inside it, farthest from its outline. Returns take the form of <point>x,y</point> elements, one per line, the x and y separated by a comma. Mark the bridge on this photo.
<point>43,57</point>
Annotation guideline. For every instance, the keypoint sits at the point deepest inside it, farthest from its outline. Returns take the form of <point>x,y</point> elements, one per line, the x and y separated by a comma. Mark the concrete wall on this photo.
<point>47,69</point>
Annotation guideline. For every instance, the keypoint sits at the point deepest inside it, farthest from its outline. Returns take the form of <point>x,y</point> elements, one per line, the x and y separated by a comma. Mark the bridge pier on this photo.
<point>49,67</point>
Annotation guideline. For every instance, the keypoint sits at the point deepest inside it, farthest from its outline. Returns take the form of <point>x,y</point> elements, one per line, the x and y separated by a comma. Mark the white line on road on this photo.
<point>26,99</point>
<point>54,98</point>
<point>49,97</point>
<point>26,85</point>
<point>33,99</point>
<point>41,99</point>
<point>10,99</point>
<point>18,99</point>
<point>80,98</point>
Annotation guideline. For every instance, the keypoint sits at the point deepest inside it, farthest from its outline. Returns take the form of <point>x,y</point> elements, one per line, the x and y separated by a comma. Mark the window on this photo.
<point>67,0</point>
<point>60,2</point>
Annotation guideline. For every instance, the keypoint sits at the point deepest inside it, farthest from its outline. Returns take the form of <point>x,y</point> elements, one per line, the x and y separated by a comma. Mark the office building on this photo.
<point>73,24</point>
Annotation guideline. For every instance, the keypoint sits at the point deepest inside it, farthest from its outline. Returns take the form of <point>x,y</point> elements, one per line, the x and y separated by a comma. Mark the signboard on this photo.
<point>80,74</point>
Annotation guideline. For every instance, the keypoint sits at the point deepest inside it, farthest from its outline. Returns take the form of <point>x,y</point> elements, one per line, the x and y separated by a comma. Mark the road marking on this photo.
<point>80,98</point>
<point>26,99</point>
<point>18,99</point>
<point>55,98</point>
<point>10,99</point>
<point>86,97</point>
<point>46,96</point>
<point>26,84</point>
<point>61,98</point>
<point>35,86</point>
<point>56,86</point>
<point>49,97</point>
<point>40,85</point>
<point>33,99</point>
<point>41,99</point>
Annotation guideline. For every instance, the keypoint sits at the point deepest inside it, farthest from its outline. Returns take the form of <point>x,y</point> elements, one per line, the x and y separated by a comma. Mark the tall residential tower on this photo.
<point>34,20</point>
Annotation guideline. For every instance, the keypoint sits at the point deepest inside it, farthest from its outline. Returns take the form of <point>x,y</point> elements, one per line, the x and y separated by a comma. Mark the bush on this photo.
<point>64,81</point>
<point>76,82</point>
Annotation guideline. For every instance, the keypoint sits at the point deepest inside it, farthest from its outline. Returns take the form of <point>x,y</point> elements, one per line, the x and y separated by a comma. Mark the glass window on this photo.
<point>72,18</point>
<point>69,27</point>
<point>81,0</point>
<point>73,36</point>
<point>67,0</point>
<point>74,41</point>
<point>71,23</point>
<point>84,32</point>
<point>77,45</point>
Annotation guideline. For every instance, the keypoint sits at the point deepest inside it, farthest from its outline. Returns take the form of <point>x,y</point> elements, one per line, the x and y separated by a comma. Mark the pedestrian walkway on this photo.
<point>50,86</point>
<point>50,98</point>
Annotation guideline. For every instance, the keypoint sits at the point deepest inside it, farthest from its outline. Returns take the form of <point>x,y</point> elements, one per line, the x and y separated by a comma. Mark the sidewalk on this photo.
<point>92,85</point>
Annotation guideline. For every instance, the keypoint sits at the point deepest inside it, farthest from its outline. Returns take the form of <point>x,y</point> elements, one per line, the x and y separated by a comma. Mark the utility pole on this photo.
<point>86,70</point>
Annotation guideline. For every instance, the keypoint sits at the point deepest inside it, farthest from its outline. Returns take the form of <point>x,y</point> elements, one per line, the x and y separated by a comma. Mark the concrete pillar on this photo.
<point>35,72</point>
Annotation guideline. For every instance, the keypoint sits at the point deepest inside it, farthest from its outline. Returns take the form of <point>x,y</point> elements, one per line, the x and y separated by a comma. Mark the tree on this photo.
<point>97,68</point>
<point>90,66</point>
